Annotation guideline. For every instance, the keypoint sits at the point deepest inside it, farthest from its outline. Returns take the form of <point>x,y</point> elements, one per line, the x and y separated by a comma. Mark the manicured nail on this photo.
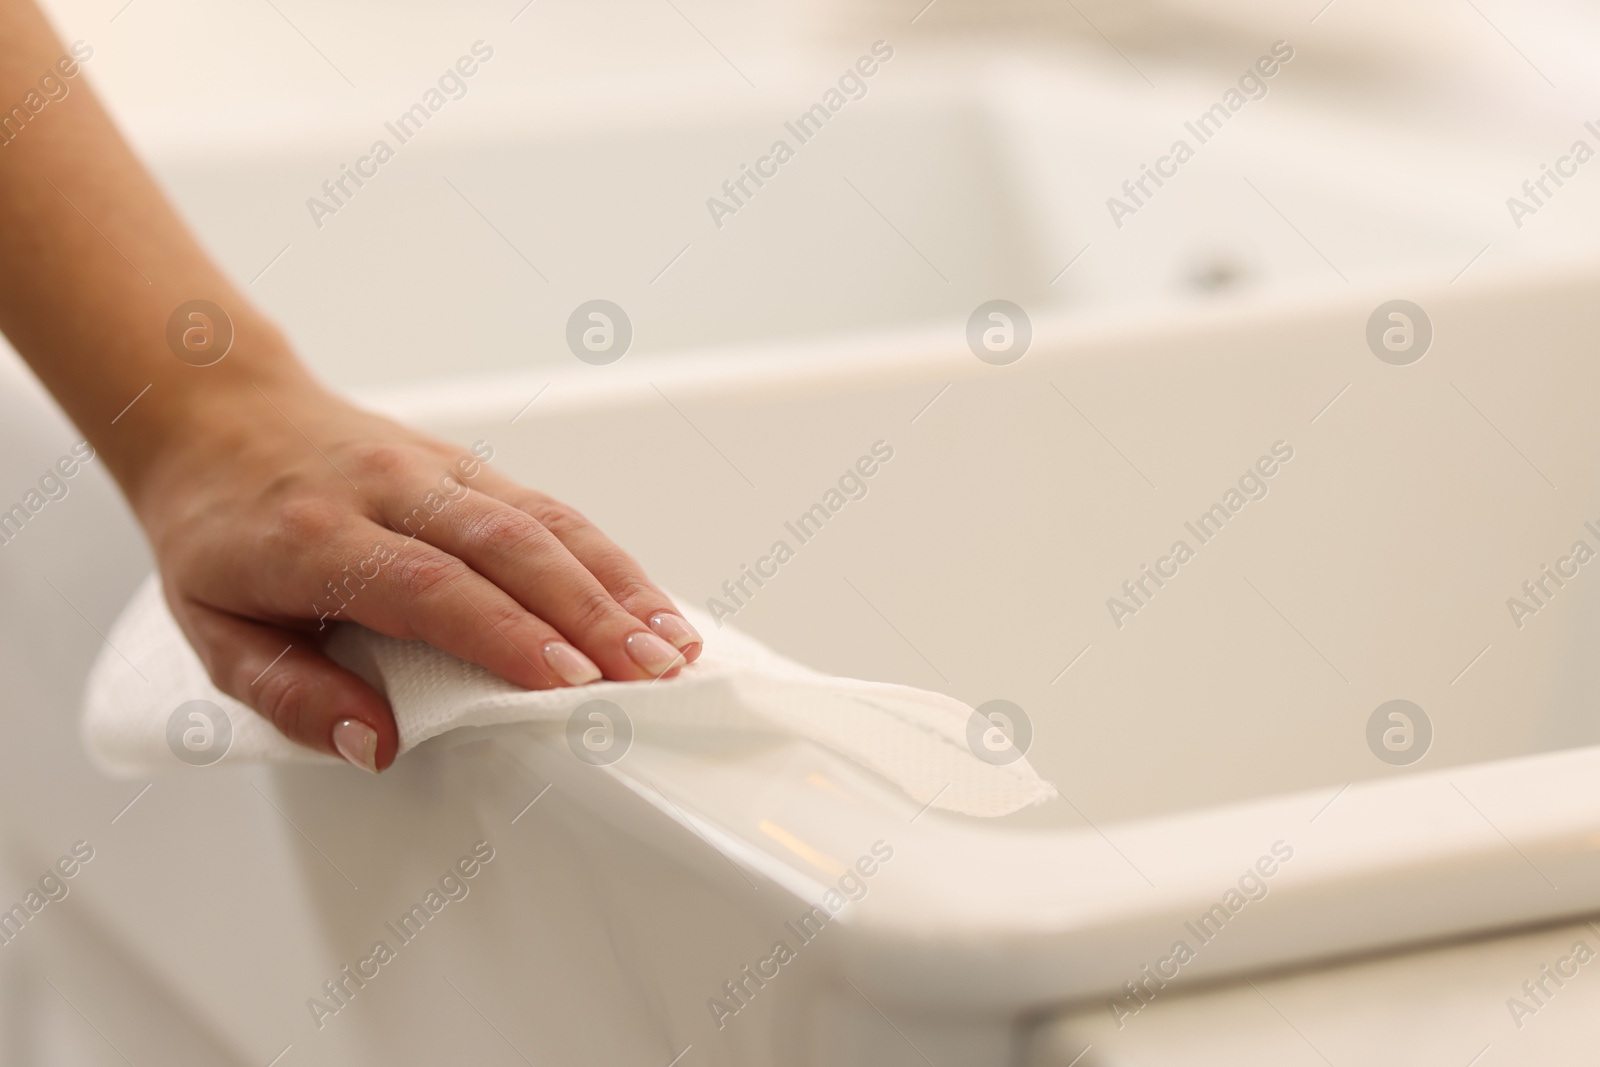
<point>652,653</point>
<point>674,629</point>
<point>573,666</point>
<point>357,742</point>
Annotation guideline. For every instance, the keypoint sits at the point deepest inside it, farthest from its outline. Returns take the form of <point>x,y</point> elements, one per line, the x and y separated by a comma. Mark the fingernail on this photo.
<point>675,629</point>
<point>652,653</point>
<point>573,666</point>
<point>357,742</point>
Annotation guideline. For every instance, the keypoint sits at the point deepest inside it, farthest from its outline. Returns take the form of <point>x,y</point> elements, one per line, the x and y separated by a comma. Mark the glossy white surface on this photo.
<point>1213,726</point>
<point>973,921</point>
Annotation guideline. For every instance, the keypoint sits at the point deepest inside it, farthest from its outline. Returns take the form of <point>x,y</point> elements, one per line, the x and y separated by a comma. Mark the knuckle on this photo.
<point>510,618</point>
<point>593,609</point>
<point>420,576</point>
<point>287,701</point>
<point>505,531</point>
<point>379,458</point>
<point>560,519</point>
<point>308,520</point>
<point>637,595</point>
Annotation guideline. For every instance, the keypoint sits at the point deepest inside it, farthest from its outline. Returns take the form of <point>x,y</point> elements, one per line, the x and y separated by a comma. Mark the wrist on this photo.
<point>193,418</point>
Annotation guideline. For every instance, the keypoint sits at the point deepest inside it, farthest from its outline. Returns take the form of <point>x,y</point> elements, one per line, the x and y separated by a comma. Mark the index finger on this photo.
<point>616,571</point>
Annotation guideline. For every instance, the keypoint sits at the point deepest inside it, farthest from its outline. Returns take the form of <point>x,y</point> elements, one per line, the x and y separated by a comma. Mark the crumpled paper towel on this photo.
<point>916,739</point>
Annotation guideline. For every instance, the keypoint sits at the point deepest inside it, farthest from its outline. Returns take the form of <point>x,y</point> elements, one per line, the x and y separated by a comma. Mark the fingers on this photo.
<point>409,589</point>
<point>284,676</point>
<point>519,555</point>
<point>613,568</point>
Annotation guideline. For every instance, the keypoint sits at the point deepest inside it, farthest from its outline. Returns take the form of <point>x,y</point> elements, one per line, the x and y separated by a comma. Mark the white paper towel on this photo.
<point>916,739</point>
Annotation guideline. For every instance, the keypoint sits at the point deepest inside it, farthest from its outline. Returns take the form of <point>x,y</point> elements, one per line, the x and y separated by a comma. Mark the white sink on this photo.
<point>1228,715</point>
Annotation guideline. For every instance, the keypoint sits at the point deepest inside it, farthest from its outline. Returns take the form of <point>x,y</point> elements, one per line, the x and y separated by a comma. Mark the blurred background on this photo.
<point>979,164</point>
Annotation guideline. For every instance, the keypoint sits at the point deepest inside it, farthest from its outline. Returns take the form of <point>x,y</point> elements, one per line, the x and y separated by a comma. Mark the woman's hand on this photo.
<point>279,509</point>
<point>273,506</point>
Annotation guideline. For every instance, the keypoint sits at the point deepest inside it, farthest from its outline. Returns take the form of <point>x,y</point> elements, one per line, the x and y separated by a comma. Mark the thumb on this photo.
<point>287,679</point>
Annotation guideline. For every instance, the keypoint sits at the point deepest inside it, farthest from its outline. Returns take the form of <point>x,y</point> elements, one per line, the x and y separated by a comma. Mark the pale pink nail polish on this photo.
<point>572,666</point>
<point>357,742</point>
<point>652,653</point>
<point>674,629</point>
